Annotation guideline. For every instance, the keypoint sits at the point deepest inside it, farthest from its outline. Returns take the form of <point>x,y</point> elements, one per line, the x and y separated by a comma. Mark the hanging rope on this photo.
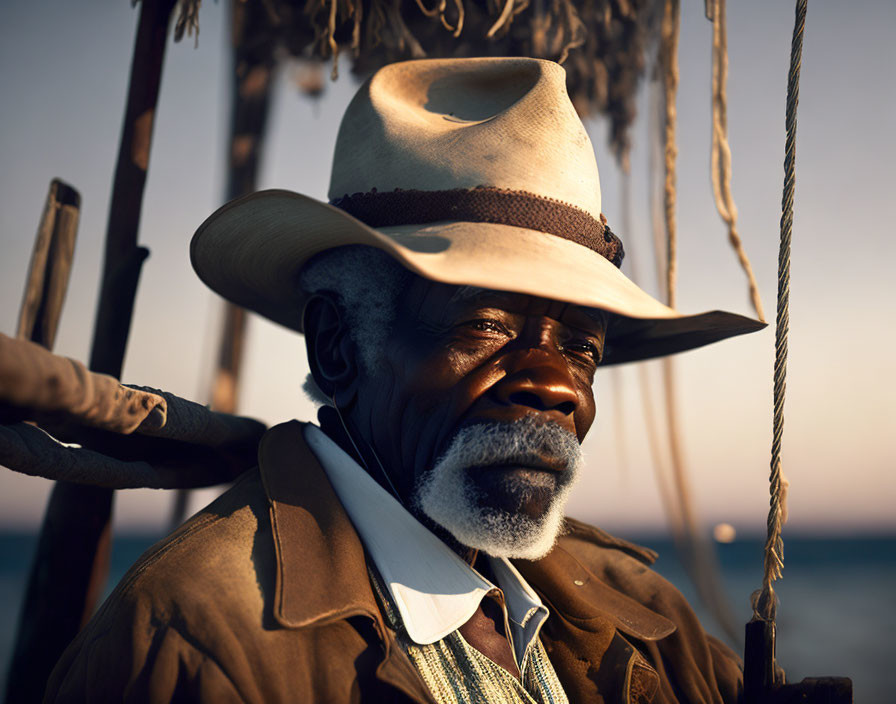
<point>669,64</point>
<point>765,604</point>
<point>721,151</point>
<point>651,423</point>
<point>696,552</point>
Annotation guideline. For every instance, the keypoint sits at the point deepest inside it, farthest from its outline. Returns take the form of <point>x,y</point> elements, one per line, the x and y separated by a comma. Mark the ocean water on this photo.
<point>837,613</point>
<point>837,605</point>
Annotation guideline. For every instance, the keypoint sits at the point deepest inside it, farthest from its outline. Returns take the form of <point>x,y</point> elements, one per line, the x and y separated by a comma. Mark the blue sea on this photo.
<point>837,613</point>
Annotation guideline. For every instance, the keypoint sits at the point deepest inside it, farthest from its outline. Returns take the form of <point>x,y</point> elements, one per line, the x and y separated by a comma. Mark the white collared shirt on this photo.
<point>434,591</point>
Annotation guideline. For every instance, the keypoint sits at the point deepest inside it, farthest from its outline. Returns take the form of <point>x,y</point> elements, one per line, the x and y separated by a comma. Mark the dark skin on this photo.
<point>456,357</point>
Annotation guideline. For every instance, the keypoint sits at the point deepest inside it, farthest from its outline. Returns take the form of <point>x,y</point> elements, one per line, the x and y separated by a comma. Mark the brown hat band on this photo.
<point>484,204</point>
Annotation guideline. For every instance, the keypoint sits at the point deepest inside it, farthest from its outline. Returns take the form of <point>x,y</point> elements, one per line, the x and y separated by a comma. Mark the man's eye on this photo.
<point>584,348</point>
<point>487,325</point>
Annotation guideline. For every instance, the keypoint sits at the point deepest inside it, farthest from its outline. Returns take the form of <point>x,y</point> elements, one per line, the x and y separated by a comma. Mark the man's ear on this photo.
<point>331,355</point>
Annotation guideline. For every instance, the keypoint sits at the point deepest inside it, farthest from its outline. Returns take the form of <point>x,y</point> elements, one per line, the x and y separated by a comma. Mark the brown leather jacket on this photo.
<point>264,597</point>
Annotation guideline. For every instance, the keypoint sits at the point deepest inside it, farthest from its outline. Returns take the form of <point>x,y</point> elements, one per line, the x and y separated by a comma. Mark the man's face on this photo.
<point>465,368</point>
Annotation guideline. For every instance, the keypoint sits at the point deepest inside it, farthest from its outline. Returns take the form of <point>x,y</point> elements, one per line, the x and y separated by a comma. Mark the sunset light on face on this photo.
<point>64,72</point>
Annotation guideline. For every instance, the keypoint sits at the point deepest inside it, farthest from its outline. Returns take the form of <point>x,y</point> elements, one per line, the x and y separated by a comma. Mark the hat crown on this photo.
<point>444,124</point>
<point>484,176</point>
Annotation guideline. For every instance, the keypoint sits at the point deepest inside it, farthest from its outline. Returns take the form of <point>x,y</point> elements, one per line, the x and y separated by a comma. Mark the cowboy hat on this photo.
<point>466,171</point>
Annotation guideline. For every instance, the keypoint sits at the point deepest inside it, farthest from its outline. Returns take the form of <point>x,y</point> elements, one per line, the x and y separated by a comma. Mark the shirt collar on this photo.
<point>434,591</point>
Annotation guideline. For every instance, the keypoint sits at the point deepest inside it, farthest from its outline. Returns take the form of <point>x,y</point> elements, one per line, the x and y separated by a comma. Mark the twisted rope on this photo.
<point>765,606</point>
<point>695,551</point>
<point>655,116</point>
<point>721,151</point>
<point>669,62</point>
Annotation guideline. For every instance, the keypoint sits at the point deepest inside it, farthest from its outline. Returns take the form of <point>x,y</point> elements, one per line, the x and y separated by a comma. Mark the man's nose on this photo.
<point>536,380</point>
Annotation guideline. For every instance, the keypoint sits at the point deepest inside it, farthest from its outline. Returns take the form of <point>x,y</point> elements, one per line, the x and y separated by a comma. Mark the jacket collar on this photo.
<point>435,592</point>
<point>312,531</point>
<point>313,537</point>
<point>312,534</point>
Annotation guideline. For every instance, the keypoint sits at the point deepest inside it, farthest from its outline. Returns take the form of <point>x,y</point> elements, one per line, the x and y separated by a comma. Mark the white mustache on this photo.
<point>447,493</point>
<point>525,441</point>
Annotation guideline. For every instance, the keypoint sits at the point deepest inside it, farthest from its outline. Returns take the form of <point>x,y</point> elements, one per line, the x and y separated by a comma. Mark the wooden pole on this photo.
<point>51,264</point>
<point>41,309</point>
<point>253,70</point>
<point>252,79</point>
<point>72,557</point>
<point>123,257</point>
<point>764,680</point>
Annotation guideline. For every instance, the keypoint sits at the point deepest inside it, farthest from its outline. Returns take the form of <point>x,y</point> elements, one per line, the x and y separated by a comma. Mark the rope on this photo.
<point>765,604</point>
<point>721,151</point>
<point>696,552</point>
<point>502,20</point>
<point>616,371</point>
<point>625,202</point>
<point>669,62</point>
<point>651,422</point>
<point>667,496</point>
<point>656,118</point>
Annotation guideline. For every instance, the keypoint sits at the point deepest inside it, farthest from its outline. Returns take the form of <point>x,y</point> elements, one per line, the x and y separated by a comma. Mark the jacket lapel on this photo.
<point>320,563</point>
<point>321,573</point>
<point>583,597</point>
<point>584,636</point>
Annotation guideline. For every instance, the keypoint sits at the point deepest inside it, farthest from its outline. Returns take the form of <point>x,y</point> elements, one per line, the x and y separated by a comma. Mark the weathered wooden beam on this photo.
<point>59,572</point>
<point>51,264</point>
<point>39,315</point>
<point>71,562</point>
<point>252,77</point>
<point>123,257</point>
<point>230,357</point>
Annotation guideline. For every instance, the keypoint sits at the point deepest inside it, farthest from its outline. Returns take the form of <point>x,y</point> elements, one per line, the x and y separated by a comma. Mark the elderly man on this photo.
<point>456,296</point>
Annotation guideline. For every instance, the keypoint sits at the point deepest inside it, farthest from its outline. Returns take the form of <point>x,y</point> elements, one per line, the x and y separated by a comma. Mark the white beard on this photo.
<point>447,493</point>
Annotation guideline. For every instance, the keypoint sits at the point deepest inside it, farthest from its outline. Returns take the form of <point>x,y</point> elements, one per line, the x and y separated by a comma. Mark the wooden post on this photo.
<point>759,661</point>
<point>252,78</point>
<point>251,82</point>
<point>123,257</point>
<point>51,264</point>
<point>764,681</point>
<point>72,557</point>
<point>45,288</point>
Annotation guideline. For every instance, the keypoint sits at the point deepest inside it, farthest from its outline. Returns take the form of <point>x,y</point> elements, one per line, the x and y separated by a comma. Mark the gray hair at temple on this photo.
<point>367,283</point>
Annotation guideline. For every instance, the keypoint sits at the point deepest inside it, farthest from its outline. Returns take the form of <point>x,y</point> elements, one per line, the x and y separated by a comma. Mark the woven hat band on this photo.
<point>484,204</point>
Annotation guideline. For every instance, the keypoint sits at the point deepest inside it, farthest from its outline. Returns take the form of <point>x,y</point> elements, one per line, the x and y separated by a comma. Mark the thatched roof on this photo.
<point>602,43</point>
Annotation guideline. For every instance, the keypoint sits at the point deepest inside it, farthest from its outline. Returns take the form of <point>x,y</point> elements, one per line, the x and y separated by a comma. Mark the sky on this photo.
<point>63,74</point>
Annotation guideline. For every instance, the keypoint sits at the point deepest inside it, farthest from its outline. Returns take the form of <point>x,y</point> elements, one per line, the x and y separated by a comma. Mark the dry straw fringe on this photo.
<point>187,22</point>
<point>600,42</point>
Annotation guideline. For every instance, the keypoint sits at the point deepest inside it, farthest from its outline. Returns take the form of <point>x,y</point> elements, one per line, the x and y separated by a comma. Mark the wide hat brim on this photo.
<point>252,249</point>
